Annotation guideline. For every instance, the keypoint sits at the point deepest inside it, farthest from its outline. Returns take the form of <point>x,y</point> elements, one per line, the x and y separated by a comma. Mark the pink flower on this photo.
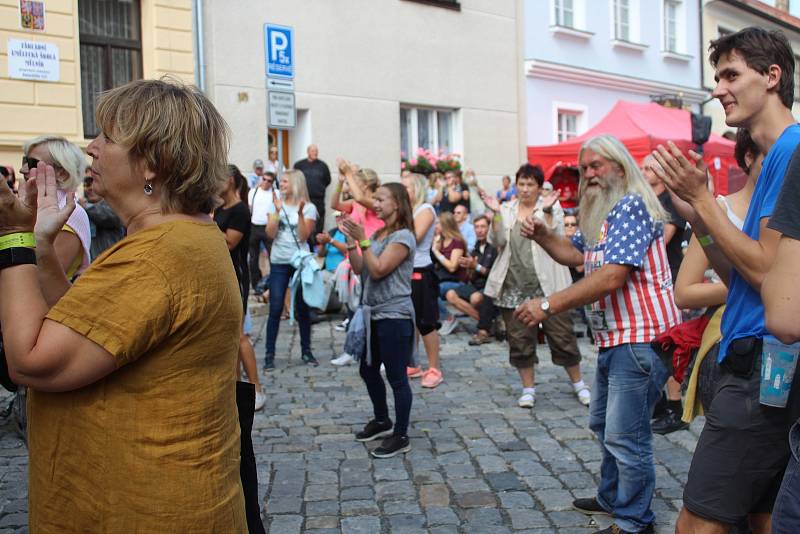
<point>402,154</point>
<point>420,151</point>
<point>403,166</point>
<point>413,162</point>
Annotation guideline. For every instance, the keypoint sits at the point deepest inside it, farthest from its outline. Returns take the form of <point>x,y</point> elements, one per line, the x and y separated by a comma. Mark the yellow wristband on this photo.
<point>364,243</point>
<point>275,216</point>
<point>705,240</point>
<point>497,217</point>
<point>21,239</point>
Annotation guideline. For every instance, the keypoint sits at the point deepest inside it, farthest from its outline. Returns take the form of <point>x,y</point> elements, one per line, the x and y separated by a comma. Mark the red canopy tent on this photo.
<point>641,128</point>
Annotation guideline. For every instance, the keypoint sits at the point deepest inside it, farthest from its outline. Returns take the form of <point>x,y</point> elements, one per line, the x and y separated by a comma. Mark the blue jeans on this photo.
<point>628,383</point>
<point>786,512</point>
<point>391,344</point>
<point>279,276</point>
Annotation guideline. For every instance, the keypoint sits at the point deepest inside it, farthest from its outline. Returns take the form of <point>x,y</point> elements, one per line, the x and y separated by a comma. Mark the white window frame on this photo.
<point>413,136</point>
<point>580,110</point>
<point>634,17</point>
<point>578,15</point>
<point>680,27</point>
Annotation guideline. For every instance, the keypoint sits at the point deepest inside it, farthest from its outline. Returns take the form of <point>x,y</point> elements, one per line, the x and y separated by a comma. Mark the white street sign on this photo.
<point>282,112</point>
<point>33,60</point>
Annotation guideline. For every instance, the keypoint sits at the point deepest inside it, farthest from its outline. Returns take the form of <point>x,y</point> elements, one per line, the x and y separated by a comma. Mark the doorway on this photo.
<point>280,138</point>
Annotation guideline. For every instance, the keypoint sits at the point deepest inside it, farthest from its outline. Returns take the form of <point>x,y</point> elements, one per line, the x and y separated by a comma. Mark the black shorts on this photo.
<point>743,450</point>
<point>424,295</point>
<point>465,291</point>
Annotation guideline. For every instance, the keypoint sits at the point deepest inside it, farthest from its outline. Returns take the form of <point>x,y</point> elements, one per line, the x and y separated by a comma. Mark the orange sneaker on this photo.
<point>432,378</point>
<point>414,372</point>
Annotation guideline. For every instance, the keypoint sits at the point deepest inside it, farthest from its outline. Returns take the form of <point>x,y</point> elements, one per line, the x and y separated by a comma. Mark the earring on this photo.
<point>148,188</point>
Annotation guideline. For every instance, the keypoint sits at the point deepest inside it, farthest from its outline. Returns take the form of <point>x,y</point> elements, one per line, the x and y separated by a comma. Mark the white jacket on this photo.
<point>553,276</point>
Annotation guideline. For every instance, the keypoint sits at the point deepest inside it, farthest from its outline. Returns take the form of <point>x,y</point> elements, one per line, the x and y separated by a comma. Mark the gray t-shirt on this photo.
<point>392,293</point>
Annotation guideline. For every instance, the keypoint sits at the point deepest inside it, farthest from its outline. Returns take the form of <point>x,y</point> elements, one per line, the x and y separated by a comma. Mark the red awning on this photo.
<point>641,128</point>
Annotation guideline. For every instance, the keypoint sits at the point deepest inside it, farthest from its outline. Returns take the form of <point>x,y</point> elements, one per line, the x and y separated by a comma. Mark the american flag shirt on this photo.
<point>644,307</point>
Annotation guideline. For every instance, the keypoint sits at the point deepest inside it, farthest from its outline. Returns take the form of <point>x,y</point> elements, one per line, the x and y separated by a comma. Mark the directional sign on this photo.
<point>282,111</point>
<point>279,51</point>
<point>280,85</point>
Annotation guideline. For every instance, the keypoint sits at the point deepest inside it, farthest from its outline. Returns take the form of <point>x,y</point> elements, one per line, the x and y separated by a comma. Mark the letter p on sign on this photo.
<point>278,45</point>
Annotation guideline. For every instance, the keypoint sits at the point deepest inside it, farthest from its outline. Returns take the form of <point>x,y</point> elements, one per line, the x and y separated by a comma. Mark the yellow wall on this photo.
<point>29,109</point>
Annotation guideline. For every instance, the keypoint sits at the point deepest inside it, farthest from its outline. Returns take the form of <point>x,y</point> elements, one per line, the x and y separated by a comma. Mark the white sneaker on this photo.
<point>584,396</point>
<point>448,326</point>
<point>526,400</point>
<point>261,399</point>
<point>344,359</point>
<point>342,327</point>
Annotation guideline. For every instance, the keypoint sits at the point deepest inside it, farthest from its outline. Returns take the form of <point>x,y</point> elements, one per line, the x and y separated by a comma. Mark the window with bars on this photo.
<point>671,10</point>
<point>427,128</point>
<point>111,50</point>
<point>567,125</point>
<point>565,13</point>
<point>622,16</point>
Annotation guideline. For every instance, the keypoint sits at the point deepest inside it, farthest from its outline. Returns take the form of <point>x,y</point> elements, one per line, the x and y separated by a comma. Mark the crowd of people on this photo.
<point>127,348</point>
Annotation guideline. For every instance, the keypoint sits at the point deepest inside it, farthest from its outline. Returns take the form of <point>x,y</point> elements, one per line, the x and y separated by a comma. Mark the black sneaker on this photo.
<point>671,422</point>
<point>309,359</point>
<point>589,506</point>
<point>392,446</point>
<point>269,362</point>
<point>615,529</point>
<point>375,430</point>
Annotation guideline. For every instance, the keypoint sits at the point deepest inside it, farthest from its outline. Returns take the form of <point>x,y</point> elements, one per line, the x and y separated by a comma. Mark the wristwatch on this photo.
<point>544,305</point>
<point>17,256</point>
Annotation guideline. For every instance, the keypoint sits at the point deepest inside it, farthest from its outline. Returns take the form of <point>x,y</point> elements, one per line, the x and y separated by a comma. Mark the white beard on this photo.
<point>594,207</point>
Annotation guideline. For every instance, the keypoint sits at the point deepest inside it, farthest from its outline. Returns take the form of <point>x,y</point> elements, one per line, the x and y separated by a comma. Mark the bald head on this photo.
<point>313,152</point>
<point>649,166</point>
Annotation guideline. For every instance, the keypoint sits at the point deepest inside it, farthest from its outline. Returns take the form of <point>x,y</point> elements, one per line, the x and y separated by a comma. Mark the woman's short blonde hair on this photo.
<point>65,155</point>
<point>177,133</point>
<point>420,188</point>
<point>297,185</point>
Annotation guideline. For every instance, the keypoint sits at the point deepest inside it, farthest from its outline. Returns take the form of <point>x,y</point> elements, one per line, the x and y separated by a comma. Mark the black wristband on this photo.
<point>17,256</point>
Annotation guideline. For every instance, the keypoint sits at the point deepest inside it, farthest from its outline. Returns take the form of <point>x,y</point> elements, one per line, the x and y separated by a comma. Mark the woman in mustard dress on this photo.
<point>132,421</point>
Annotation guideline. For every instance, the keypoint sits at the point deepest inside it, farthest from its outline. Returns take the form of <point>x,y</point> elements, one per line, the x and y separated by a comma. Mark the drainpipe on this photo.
<point>200,60</point>
<point>702,59</point>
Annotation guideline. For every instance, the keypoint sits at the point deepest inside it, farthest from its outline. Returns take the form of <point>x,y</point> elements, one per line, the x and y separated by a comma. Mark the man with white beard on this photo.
<point>628,293</point>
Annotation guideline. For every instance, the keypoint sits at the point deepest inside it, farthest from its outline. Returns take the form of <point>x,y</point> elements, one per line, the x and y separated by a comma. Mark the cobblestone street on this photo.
<point>478,464</point>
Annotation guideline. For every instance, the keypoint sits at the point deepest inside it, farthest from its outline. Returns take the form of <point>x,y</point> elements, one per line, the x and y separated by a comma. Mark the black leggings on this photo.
<point>391,343</point>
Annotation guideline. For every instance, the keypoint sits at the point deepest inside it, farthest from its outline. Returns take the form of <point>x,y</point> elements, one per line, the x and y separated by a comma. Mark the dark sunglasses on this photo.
<point>570,224</point>
<point>30,162</point>
<point>88,181</point>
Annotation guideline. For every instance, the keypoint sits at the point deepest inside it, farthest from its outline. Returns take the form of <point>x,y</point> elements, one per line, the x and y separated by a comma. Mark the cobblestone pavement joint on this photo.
<point>478,464</point>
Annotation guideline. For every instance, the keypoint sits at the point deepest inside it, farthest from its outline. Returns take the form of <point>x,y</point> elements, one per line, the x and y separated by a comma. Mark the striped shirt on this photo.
<point>644,307</point>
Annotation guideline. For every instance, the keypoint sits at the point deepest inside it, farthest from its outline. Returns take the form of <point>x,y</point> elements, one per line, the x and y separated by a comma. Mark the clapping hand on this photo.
<point>323,238</point>
<point>352,229</point>
<point>468,262</point>
<point>277,201</point>
<point>18,212</point>
<point>50,218</point>
<point>687,179</point>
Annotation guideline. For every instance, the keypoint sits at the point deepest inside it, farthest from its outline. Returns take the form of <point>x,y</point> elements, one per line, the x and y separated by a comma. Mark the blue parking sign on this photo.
<point>279,49</point>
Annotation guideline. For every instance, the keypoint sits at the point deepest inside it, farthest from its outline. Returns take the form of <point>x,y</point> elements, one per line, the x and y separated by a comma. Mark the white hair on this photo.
<point>612,149</point>
<point>65,155</point>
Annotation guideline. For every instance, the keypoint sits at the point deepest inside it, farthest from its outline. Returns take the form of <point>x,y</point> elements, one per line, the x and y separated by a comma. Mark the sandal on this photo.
<point>480,339</point>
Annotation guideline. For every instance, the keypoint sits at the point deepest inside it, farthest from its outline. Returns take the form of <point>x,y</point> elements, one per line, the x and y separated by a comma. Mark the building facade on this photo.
<point>727,16</point>
<point>57,55</point>
<point>582,56</point>
<point>374,78</point>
